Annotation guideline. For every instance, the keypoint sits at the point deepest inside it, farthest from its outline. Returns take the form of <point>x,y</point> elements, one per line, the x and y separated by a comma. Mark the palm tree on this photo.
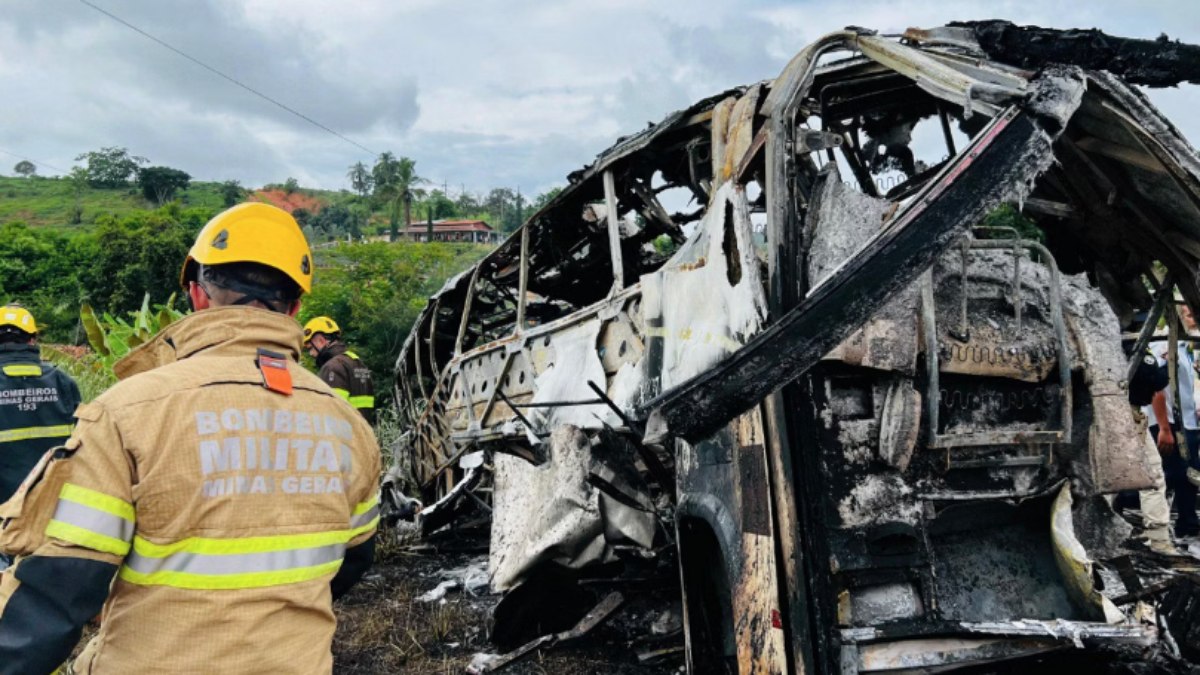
<point>79,183</point>
<point>396,182</point>
<point>361,180</point>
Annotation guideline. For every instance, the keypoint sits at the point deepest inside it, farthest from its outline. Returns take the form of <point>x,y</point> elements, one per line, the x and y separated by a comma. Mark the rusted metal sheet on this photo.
<point>1115,465</point>
<point>761,649</point>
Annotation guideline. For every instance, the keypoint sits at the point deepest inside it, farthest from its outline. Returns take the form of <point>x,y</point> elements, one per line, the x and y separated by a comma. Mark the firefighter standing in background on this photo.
<point>37,401</point>
<point>1169,427</point>
<point>231,493</point>
<point>339,367</point>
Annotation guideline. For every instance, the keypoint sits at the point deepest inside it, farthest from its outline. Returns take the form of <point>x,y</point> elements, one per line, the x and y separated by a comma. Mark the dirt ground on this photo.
<point>383,628</point>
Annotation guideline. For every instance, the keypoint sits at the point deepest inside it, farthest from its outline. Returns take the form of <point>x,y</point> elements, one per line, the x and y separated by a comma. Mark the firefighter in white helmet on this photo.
<point>229,491</point>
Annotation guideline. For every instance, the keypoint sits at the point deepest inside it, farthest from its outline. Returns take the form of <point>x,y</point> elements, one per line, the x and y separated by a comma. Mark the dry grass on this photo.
<point>383,629</point>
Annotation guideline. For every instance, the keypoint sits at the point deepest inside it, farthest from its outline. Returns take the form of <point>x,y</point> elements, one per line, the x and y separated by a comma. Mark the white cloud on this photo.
<point>482,93</point>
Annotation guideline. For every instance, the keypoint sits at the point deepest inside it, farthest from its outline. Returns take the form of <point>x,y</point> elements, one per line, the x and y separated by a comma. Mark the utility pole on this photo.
<point>519,215</point>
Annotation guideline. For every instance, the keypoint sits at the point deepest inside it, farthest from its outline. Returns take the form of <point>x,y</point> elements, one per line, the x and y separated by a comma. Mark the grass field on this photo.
<point>48,202</point>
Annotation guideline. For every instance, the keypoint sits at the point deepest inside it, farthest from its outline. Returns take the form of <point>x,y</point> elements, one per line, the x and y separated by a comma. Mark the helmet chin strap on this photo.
<point>249,294</point>
<point>321,350</point>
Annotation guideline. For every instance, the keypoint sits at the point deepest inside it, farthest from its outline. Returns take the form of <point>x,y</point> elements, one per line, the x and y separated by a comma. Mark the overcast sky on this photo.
<point>481,94</point>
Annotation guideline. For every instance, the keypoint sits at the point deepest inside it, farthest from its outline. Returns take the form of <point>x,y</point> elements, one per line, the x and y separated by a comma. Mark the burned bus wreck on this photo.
<point>780,336</point>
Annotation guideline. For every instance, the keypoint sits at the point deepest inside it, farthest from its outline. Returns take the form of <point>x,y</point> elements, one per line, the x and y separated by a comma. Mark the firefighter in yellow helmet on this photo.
<point>230,493</point>
<point>339,367</point>
<point>37,401</point>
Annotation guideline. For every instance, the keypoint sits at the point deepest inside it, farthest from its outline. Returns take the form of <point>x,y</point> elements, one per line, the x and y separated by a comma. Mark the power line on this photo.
<point>48,166</point>
<point>213,70</point>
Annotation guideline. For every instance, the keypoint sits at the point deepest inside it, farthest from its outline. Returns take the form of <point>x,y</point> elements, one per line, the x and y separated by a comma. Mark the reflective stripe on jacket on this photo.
<point>37,402</point>
<point>349,378</point>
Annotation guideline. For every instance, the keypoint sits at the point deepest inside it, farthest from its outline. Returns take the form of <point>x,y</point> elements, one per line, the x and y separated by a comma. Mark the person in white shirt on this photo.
<point>1166,427</point>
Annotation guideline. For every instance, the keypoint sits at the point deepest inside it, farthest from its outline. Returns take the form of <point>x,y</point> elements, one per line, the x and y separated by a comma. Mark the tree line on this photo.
<point>115,261</point>
<point>393,186</point>
<point>390,190</point>
<point>118,263</point>
<point>111,266</point>
<point>374,290</point>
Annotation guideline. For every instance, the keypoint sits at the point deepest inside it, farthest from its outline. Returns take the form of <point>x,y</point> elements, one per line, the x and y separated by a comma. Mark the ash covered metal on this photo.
<point>781,346</point>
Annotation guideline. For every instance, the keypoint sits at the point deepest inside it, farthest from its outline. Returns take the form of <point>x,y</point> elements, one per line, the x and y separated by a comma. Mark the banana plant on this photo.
<point>113,337</point>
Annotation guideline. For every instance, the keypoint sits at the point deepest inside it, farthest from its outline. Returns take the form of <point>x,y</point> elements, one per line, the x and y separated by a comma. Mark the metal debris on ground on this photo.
<point>438,592</point>
<point>471,579</point>
<point>599,614</point>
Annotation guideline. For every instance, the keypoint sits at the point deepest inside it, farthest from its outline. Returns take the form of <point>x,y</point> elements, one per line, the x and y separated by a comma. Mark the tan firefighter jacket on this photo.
<point>227,506</point>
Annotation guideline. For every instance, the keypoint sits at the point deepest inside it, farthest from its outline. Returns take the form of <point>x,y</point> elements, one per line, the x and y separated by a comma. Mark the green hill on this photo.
<point>50,202</point>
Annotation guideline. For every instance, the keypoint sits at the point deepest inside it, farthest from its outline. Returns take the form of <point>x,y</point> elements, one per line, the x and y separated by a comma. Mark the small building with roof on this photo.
<point>470,231</point>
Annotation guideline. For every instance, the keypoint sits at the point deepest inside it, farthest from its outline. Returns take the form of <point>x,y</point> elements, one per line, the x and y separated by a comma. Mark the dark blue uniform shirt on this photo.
<point>37,404</point>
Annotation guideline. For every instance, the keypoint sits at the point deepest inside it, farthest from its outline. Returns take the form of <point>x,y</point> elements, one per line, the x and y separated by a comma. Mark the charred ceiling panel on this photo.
<point>1158,63</point>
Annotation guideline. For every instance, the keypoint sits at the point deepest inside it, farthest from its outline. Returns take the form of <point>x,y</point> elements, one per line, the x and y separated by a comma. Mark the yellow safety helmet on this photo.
<point>321,324</point>
<point>252,232</point>
<point>18,317</point>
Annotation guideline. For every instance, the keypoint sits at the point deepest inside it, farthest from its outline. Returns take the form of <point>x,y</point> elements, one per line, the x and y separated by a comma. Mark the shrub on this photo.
<point>113,337</point>
<point>375,291</point>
